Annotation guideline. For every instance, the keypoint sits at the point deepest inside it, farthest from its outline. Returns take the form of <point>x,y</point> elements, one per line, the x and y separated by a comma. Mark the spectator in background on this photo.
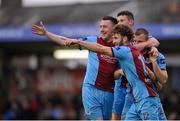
<point>171,15</point>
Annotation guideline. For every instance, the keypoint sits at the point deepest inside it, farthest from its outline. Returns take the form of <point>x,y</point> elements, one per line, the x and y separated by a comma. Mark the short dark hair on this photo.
<point>143,31</point>
<point>112,19</point>
<point>124,30</point>
<point>126,13</point>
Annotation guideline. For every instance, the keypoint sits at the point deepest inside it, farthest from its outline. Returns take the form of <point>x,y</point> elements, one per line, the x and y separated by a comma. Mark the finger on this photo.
<point>36,33</point>
<point>41,24</point>
<point>37,27</point>
<point>34,29</point>
<point>150,53</point>
<point>67,43</point>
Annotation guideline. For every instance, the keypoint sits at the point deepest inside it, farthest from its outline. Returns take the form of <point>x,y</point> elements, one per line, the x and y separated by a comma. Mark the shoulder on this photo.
<point>90,38</point>
<point>121,48</point>
<point>161,56</point>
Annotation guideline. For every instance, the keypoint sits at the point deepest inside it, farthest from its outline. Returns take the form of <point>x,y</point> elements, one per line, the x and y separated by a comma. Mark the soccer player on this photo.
<point>145,104</point>
<point>98,84</point>
<point>99,73</point>
<point>156,63</point>
<point>127,18</point>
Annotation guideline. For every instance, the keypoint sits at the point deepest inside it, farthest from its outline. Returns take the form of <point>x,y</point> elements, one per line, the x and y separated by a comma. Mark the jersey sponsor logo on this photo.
<point>109,59</point>
<point>148,81</point>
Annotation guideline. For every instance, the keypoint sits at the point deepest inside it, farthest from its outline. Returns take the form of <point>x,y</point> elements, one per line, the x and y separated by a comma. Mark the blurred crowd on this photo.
<point>20,99</point>
<point>171,13</point>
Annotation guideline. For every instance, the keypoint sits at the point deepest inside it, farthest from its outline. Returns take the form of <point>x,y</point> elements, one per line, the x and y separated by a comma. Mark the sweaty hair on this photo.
<point>142,31</point>
<point>123,30</point>
<point>110,18</point>
<point>126,13</point>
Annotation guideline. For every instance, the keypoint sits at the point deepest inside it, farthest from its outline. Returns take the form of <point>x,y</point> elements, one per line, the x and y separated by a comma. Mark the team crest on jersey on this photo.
<point>118,48</point>
<point>88,112</point>
<point>146,115</point>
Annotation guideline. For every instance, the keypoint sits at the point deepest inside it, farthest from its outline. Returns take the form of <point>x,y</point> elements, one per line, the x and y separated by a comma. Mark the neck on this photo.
<point>108,39</point>
<point>126,43</point>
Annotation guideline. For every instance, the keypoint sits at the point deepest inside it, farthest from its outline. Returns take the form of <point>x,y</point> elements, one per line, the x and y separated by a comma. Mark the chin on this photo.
<point>103,37</point>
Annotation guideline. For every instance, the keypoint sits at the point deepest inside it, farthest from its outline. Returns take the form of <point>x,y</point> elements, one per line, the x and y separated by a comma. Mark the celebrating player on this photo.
<point>133,66</point>
<point>98,85</point>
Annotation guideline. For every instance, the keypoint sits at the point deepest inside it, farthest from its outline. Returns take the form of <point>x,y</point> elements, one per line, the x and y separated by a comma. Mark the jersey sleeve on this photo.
<point>120,51</point>
<point>161,61</point>
<point>88,39</point>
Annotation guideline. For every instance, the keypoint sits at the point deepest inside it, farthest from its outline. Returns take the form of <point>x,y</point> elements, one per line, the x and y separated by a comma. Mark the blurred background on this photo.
<point>38,82</point>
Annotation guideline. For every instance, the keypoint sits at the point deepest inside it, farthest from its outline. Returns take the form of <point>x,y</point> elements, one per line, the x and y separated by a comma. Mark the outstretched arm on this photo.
<point>41,30</point>
<point>91,46</point>
<point>151,42</point>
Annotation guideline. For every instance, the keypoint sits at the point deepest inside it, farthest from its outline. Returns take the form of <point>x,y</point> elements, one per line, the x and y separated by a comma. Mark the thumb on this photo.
<point>41,24</point>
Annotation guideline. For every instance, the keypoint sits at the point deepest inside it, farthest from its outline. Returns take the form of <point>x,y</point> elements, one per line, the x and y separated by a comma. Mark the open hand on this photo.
<point>39,30</point>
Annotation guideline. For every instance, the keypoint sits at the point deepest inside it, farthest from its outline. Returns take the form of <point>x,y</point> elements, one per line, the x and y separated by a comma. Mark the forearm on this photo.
<point>96,47</point>
<point>159,85</point>
<point>161,75</point>
<point>151,74</point>
<point>56,38</point>
<point>152,42</point>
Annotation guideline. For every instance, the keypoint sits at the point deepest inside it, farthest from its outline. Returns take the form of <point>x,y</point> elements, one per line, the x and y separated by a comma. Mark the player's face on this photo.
<point>139,39</point>
<point>106,27</point>
<point>123,19</point>
<point>117,39</point>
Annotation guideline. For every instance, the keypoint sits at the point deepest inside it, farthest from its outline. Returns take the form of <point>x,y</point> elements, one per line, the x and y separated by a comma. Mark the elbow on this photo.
<point>154,42</point>
<point>164,80</point>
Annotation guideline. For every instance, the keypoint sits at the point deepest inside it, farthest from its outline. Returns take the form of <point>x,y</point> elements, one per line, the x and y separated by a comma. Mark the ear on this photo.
<point>125,38</point>
<point>131,22</point>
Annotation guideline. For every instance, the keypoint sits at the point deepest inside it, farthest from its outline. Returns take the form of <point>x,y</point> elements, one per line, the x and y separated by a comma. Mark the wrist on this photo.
<point>78,41</point>
<point>154,61</point>
<point>45,32</point>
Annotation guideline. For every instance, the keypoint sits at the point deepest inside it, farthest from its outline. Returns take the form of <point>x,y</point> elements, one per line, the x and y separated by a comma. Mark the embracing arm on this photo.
<point>151,42</point>
<point>154,78</point>
<point>161,75</point>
